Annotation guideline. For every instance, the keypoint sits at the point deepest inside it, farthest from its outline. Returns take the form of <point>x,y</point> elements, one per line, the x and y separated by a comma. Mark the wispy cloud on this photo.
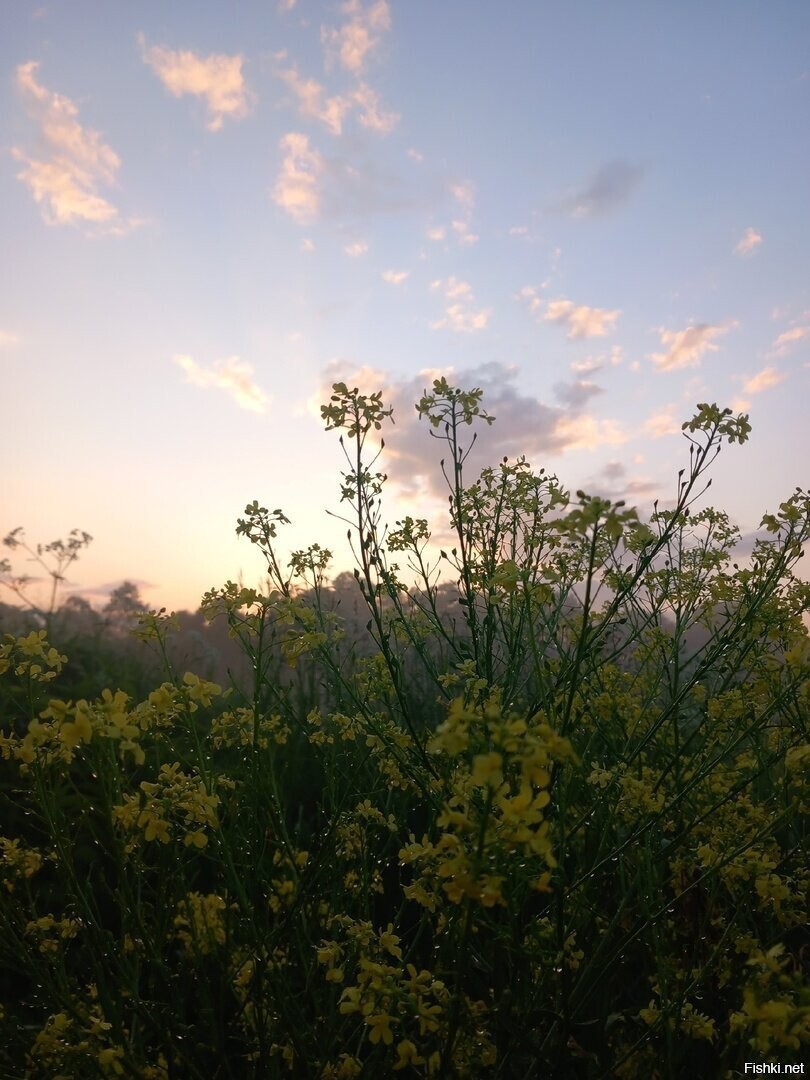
<point>352,43</point>
<point>460,315</point>
<point>8,340</point>
<point>372,115</point>
<point>216,78</point>
<point>579,320</point>
<point>415,155</point>
<point>610,187</point>
<point>661,423</point>
<point>437,232</point>
<point>750,241</point>
<point>312,100</point>
<point>595,363</point>
<point>788,339</point>
<point>464,195</point>
<point>763,380</point>
<point>394,277</point>
<point>296,190</point>
<point>76,161</point>
<point>232,375</point>
<point>359,247</point>
<point>685,348</point>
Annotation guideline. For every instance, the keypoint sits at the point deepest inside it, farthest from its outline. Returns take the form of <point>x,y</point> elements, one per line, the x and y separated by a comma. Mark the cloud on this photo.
<point>216,78</point>
<point>785,342</point>
<point>587,433</point>
<point>576,394</point>
<point>415,155</point>
<point>357,183</point>
<point>286,5</point>
<point>359,247</point>
<point>523,425</point>
<point>76,161</point>
<point>372,115</point>
<point>8,340</point>
<point>534,301</point>
<point>750,241</point>
<point>592,364</point>
<point>611,483</point>
<point>610,187</point>
<point>307,245</point>
<point>662,423</point>
<point>464,195</point>
<point>684,348</point>
<point>580,321</point>
<point>763,380</point>
<point>233,375</point>
<point>394,277</point>
<point>438,232</point>
<point>459,315</point>
<point>518,230</point>
<point>352,44</point>
<point>296,190</point>
<point>312,102</point>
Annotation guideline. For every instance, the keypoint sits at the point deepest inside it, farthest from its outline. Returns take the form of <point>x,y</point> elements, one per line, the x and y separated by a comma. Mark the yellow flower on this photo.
<point>380,1028</point>
<point>407,1055</point>
<point>390,942</point>
<point>487,770</point>
<point>200,690</point>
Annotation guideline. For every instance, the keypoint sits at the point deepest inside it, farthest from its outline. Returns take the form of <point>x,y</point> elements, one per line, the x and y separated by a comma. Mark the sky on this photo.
<point>209,213</point>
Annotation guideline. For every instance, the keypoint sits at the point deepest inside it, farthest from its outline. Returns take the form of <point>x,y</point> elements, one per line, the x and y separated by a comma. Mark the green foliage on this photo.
<point>548,817</point>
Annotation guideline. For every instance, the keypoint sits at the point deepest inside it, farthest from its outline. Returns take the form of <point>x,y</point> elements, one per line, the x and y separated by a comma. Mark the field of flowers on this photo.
<point>539,837</point>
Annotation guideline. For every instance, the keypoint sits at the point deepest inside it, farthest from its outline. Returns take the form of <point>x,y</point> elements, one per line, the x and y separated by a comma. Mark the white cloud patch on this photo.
<point>372,115</point>
<point>8,340</point>
<point>359,247</point>
<point>332,111</point>
<point>749,243</point>
<point>438,232</point>
<point>415,155</point>
<point>788,339</point>
<point>312,100</point>
<point>296,190</point>
<point>583,432</point>
<point>232,375</point>
<point>307,245</point>
<point>464,195</point>
<point>352,44</point>
<point>394,277</point>
<point>460,315</point>
<point>216,78</point>
<point>763,380</point>
<point>579,320</point>
<point>685,348</point>
<point>75,161</point>
<point>664,422</point>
